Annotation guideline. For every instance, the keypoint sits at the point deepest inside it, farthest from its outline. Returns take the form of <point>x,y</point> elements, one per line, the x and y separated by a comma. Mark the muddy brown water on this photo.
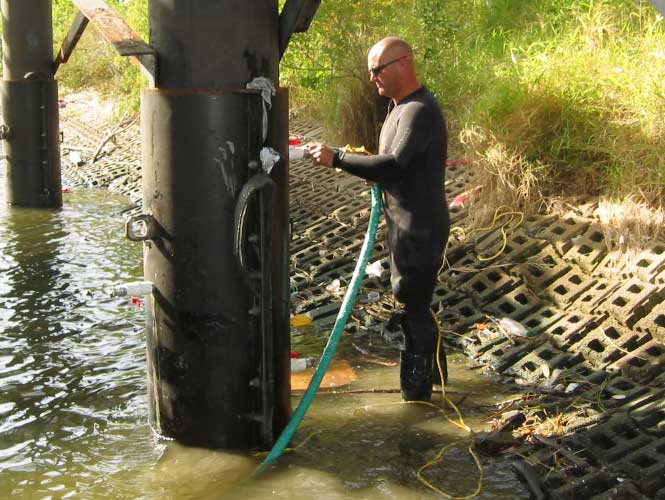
<point>73,421</point>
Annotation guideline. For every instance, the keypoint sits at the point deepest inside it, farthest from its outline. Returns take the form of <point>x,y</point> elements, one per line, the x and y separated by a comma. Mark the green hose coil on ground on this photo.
<point>340,322</point>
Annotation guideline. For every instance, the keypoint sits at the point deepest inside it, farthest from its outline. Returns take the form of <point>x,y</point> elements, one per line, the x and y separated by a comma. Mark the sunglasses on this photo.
<point>376,70</point>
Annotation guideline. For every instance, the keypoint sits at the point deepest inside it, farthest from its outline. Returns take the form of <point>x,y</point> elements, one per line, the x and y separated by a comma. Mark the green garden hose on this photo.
<point>340,322</point>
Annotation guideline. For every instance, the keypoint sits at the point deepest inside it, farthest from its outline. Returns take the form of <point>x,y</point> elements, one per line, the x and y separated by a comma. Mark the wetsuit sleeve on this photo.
<point>377,168</point>
<point>412,137</point>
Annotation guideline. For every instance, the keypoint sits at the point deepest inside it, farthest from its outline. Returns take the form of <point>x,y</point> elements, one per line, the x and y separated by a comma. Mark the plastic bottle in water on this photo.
<point>128,289</point>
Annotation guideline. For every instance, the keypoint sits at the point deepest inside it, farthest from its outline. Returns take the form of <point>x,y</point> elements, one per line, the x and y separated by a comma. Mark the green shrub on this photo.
<point>570,91</point>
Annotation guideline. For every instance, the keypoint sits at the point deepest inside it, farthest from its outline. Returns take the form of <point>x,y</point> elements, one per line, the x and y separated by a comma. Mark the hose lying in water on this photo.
<point>333,340</point>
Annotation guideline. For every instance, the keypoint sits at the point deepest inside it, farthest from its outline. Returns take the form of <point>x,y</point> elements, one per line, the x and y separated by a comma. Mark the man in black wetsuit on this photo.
<point>410,168</point>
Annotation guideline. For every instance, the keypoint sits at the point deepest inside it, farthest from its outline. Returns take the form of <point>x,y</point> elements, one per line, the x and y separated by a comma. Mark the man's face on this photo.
<point>383,71</point>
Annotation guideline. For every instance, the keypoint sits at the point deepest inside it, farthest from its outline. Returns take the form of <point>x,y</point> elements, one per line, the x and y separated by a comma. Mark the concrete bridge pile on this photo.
<point>589,360</point>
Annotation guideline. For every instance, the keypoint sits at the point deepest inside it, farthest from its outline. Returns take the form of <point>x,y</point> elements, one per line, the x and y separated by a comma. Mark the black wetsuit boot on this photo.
<point>417,360</point>
<point>415,376</point>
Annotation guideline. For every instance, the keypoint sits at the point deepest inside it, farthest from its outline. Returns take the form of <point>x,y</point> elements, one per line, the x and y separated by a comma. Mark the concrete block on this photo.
<point>653,321</point>
<point>571,328</point>
<point>585,487</point>
<point>588,249</point>
<point>542,319</point>
<point>516,303</point>
<point>646,465</point>
<point>505,354</point>
<point>607,346</point>
<point>529,367</point>
<point>561,231</point>
<point>520,247</point>
<point>535,224</point>
<point>645,361</point>
<point>612,265</point>
<point>443,296</point>
<point>612,440</point>
<point>650,416</point>
<point>566,290</point>
<point>623,301</point>
<point>465,312</point>
<point>591,298</point>
<point>649,263</point>
<point>542,269</point>
<point>485,286</point>
<point>618,392</point>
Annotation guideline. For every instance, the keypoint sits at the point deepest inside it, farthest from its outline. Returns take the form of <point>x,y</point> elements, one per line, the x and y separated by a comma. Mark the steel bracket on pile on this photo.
<point>296,16</point>
<point>115,31</point>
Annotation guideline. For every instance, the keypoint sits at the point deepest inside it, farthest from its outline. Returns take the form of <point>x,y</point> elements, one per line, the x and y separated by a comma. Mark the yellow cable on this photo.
<point>439,456</point>
<point>263,454</point>
<point>504,234</point>
<point>460,423</point>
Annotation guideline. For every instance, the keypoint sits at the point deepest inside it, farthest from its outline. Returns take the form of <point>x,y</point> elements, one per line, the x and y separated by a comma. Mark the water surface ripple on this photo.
<point>72,364</point>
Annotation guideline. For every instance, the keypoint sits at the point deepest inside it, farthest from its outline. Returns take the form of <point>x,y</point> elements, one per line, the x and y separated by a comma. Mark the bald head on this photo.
<point>392,47</point>
<point>391,67</point>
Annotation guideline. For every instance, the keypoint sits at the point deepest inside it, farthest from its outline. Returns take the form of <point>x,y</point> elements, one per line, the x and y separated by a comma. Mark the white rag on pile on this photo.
<point>267,89</point>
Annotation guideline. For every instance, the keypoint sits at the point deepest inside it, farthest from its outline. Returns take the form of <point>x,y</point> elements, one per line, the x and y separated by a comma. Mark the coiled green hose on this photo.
<point>340,322</point>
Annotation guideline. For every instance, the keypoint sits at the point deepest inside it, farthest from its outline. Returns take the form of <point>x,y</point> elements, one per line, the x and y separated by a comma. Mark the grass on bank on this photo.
<point>550,98</point>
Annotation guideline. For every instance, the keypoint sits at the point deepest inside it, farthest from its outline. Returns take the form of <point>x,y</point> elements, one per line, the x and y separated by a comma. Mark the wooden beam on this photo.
<point>70,41</point>
<point>116,32</point>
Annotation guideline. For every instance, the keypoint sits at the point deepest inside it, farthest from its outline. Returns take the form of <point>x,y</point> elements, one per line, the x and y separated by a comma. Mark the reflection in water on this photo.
<point>73,411</point>
<point>37,295</point>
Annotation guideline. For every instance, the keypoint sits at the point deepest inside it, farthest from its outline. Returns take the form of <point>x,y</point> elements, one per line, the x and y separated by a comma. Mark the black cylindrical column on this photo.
<point>201,354</point>
<point>30,105</point>
<point>212,44</point>
<point>218,339</point>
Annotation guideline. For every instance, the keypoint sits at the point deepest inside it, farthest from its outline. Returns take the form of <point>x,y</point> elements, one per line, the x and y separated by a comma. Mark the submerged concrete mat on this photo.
<point>592,420</point>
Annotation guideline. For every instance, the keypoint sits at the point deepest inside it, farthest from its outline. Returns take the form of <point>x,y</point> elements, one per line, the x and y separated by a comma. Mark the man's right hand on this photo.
<point>321,154</point>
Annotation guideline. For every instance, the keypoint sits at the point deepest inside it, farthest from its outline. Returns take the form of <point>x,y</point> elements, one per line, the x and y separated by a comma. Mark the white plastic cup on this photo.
<point>301,364</point>
<point>296,153</point>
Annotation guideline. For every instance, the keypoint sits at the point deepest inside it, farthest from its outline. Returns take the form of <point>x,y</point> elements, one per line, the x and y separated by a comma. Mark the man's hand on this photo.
<point>321,154</point>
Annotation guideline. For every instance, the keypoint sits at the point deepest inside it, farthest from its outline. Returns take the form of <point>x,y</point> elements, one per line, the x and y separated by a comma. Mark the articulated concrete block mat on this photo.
<point>589,362</point>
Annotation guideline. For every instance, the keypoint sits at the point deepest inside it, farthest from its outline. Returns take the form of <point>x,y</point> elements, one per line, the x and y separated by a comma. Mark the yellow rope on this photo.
<point>514,215</point>
<point>459,423</point>
<point>472,437</point>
